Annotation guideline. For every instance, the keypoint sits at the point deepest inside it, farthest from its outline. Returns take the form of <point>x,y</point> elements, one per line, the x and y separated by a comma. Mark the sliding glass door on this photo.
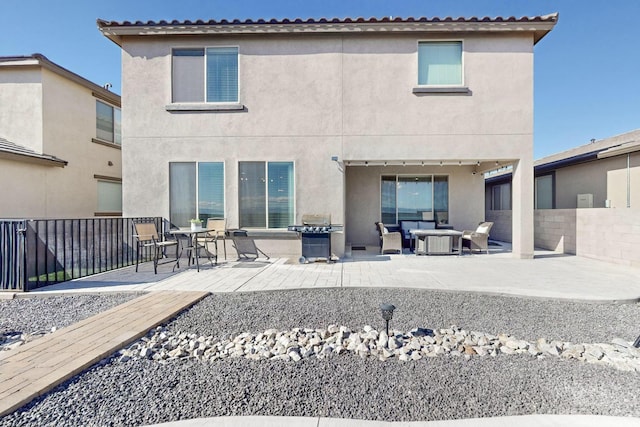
<point>196,190</point>
<point>414,197</point>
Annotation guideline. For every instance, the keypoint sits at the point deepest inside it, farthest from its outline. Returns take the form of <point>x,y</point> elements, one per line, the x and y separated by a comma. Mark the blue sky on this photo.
<point>586,69</point>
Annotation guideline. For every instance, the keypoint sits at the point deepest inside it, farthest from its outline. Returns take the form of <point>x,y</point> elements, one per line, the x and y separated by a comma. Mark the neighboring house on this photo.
<point>578,194</point>
<point>604,173</point>
<point>364,119</point>
<point>60,142</point>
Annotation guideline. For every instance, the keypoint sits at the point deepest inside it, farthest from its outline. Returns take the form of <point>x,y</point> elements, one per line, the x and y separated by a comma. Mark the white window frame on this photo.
<point>462,80</point>
<point>197,185</point>
<point>113,121</point>
<point>458,89</point>
<point>204,105</point>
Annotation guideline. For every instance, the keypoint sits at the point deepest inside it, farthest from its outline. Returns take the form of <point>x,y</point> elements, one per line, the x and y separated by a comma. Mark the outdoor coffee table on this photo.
<point>436,242</point>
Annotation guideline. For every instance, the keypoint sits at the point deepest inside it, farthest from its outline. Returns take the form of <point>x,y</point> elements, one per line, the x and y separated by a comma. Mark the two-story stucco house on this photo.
<point>60,142</point>
<point>365,119</point>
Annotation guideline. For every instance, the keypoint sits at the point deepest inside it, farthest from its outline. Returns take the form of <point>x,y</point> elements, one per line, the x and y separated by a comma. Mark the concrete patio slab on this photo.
<point>548,275</point>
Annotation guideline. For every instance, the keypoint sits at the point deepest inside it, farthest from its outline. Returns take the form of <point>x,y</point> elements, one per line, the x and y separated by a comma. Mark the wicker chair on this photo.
<point>478,239</point>
<point>146,235</point>
<point>390,241</point>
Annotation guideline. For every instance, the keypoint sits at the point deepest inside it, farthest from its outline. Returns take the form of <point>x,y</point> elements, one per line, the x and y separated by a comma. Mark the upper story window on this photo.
<point>108,123</point>
<point>440,63</point>
<point>205,75</point>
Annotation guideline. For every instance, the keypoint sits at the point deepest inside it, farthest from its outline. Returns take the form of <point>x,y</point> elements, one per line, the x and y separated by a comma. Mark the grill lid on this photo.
<point>316,219</point>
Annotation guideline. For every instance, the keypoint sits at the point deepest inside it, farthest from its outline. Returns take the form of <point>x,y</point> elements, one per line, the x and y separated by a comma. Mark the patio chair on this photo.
<point>478,239</point>
<point>390,241</point>
<point>245,246</point>
<point>219,225</point>
<point>146,235</point>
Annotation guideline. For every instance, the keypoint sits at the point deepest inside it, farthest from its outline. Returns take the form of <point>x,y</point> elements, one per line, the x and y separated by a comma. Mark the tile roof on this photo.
<point>360,20</point>
<point>538,25</point>
<point>12,149</point>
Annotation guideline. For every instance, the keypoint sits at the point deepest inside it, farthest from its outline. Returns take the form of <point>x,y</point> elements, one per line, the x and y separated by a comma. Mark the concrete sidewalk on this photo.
<point>520,421</point>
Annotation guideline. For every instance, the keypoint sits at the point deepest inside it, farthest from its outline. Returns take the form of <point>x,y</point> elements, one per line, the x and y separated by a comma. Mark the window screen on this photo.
<point>188,75</point>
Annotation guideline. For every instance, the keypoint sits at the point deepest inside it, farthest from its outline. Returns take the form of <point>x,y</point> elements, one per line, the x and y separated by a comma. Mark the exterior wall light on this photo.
<point>387,313</point>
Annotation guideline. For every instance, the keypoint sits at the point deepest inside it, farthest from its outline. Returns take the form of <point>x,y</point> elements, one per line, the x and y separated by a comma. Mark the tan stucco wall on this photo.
<point>23,190</point>
<point>570,181</point>
<point>21,120</point>
<point>67,123</point>
<point>619,185</point>
<point>605,179</point>
<point>351,97</point>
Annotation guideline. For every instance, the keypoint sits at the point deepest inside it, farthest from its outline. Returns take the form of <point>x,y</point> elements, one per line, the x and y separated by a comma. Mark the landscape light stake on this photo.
<point>387,313</point>
<point>637,343</point>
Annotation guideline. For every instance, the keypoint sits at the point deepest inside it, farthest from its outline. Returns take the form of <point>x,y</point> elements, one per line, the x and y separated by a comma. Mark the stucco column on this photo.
<point>522,208</point>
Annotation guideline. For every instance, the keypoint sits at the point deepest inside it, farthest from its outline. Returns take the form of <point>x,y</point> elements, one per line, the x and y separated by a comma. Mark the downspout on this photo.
<point>628,180</point>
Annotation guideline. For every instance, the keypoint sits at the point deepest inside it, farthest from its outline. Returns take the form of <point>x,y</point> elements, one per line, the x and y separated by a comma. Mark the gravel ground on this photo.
<point>139,392</point>
<point>41,313</point>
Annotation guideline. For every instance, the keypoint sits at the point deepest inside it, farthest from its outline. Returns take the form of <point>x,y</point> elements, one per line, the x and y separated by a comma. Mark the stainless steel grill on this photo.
<point>315,232</point>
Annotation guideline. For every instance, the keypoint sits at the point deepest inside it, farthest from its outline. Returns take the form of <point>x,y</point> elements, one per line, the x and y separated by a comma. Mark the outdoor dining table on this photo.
<point>436,241</point>
<point>193,234</point>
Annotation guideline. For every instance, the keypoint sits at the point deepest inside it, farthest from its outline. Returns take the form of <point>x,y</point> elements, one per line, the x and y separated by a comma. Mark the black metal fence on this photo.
<point>36,253</point>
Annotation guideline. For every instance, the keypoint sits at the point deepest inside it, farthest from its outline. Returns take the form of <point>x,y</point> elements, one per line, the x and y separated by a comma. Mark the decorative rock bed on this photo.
<point>296,344</point>
<point>12,340</point>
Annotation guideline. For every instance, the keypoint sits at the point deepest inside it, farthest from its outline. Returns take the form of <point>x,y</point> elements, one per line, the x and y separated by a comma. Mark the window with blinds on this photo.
<point>205,75</point>
<point>210,190</point>
<point>440,63</point>
<point>108,121</point>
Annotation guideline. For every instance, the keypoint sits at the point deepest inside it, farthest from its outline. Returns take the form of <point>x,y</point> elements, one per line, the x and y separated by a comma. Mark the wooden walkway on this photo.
<point>37,367</point>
